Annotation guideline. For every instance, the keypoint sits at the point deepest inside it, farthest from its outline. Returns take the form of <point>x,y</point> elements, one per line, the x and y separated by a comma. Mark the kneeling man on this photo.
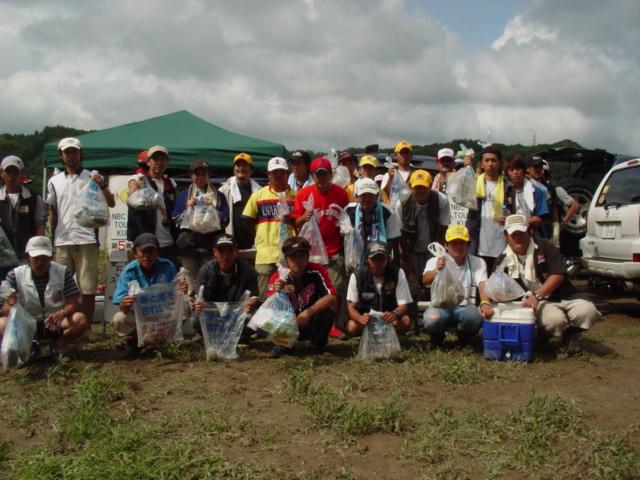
<point>539,268</point>
<point>380,286</point>
<point>471,271</point>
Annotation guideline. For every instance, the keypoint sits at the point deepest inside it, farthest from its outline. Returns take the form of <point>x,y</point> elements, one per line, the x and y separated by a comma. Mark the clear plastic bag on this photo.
<point>8,257</point>
<point>93,211</point>
<point>502,288</point>
<point>353,243</point>
<point>277,318</point>
<point>400,190</point>
<point>158,311</point>
<point>222,325</point>
<point>341,176</point>
<point>145,197</point>
<point>379,340</point>
<point>446,289</point>
<point>311,232</point>
<point>461,188</point>
<point>18,336</point>
<point>283,210</point>
<point>202,217</point>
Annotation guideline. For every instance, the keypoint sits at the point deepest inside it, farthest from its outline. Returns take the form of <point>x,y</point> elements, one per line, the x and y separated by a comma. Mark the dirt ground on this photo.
<point>275,419</point>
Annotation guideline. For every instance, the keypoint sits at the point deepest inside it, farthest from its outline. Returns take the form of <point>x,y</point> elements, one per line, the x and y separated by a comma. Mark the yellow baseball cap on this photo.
<point>402,145</point>
<point>457,232</point>
<point>243,156</point>
<point>420,178</point>
<point>368,160</point>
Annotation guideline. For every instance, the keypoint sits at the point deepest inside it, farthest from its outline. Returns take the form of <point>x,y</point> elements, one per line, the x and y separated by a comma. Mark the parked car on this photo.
<point>579,171</point>
<point>611,247</point>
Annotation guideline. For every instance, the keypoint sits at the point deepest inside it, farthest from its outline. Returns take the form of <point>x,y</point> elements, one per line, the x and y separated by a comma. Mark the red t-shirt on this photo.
<point>329,228</point>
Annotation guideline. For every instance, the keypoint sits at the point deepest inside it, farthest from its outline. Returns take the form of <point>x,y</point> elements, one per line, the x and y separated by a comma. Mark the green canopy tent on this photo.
<point>186,137</point>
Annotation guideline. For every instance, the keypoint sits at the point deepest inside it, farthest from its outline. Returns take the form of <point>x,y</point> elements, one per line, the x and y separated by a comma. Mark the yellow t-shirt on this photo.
<point>263,208</point>
<point>351,192</point>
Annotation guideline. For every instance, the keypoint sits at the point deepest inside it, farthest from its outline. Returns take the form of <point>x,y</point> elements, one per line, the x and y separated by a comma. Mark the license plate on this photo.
<point>608,231</point>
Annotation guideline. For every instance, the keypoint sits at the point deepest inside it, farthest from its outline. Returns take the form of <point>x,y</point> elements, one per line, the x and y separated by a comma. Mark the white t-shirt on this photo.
<point>564,197</point>
<point>471,274</point>
<point>403,295</point>
<point>13,198</point>
<point>491,242</point>
<point>64,192</point>
<point>403,173</point>
<point>162,231</point>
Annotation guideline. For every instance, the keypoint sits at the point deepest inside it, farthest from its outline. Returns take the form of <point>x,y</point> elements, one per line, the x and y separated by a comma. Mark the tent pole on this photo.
<point>44,183</point>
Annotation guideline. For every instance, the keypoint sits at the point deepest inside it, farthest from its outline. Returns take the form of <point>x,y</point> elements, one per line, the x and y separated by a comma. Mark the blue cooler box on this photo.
<point>510,333</point>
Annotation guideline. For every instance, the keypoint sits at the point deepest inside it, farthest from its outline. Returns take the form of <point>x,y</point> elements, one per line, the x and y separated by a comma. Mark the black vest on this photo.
<point>410,210</point>
<point>243,278</point>
<point>144,221</point>
<point>20,223</point>
<point>368,296</point>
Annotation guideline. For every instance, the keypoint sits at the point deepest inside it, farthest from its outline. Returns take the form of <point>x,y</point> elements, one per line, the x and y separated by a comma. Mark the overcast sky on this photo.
<point>330,73</point>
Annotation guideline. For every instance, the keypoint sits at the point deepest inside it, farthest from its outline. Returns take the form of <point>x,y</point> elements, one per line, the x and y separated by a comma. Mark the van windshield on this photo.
<point>621,188</point>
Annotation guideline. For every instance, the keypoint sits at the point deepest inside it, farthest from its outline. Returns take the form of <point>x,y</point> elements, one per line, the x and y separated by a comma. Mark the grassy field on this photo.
<point>443,414</point>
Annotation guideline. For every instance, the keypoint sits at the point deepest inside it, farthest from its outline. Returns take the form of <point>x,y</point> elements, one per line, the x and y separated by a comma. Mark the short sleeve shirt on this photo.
<point>403,295</point>
<point>63,192</point>
<point>311,287</point>
<point>263,208</point>
<point>471,274</point>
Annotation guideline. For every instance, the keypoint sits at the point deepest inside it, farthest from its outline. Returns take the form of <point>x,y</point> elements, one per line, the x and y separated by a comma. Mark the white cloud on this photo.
<point>322,73</point>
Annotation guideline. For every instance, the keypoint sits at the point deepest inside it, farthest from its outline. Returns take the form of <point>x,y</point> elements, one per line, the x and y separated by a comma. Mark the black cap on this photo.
<point>146,240</point>
<point>224,241</point>
<point>301,155</point>
<point>377,248</point>
<point>534,161</point>
<point>196,164</point>
<point>295,244</point>
<point>492,149</point>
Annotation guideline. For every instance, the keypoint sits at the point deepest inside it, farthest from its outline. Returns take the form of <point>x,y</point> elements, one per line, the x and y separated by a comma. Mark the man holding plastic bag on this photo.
<point>268,218</point>
<point>76,246</point>
<point>539,268</point>
<point>202,213</point>
<point>378,286</point>
<point>471,273</point>
<point>22,215</point>
<point>225,279</point>
<point>147,270</point>
<point>310,291</point>
<point>48,293</point>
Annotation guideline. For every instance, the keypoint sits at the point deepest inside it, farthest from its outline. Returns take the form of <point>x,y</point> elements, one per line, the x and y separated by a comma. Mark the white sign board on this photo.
<point>116,241</point>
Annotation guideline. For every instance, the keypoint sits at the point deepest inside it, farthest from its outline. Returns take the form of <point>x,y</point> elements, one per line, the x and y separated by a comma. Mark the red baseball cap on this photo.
<point>320,163</point>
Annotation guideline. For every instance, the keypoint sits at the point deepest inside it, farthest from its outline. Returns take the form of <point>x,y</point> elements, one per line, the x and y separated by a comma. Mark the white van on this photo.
<point>611,247</point>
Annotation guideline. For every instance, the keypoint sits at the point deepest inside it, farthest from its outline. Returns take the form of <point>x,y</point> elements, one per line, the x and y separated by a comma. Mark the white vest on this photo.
<point>53,294</point>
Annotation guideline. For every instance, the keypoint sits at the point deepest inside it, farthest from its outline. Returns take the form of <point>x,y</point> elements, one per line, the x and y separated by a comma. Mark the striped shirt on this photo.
<point>70,286</point>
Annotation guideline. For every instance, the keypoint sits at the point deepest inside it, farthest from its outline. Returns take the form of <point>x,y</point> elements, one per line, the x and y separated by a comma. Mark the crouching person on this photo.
<point>310,291</point>
<point>225,279</point>
<point>147,269</point>
<point>379,285</point>
<point>466,318</point>
<point>48,291</point>
<point>539,268</point>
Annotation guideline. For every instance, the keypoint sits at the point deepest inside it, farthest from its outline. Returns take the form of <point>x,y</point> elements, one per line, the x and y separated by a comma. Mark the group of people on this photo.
<point>513,229</point>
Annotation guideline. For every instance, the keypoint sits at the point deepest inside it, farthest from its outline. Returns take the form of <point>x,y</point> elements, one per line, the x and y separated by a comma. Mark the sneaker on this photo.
<point>35,350</point>
<point>131,342</point>
<point>277,351</point>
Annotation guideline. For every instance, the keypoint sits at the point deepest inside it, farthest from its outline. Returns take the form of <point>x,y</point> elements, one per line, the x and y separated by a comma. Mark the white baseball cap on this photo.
<point>69,142</point>
<point>40,245</point>
<point>12,161</point>
<point>366,185</point>
<point>156,149</point>
<point>446,152</point>
<point>277,163</point>
<point>516,223</point>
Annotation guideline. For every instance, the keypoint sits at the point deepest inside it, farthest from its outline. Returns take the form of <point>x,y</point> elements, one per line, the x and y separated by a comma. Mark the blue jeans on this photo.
<point>466,319</point>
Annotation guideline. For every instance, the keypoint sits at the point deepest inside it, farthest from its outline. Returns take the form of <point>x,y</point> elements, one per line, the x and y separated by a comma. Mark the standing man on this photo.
<point>404,154</point>
<point>471,271</point>
<point>325,194</point>
<point>485,224</point>
<point>22,212</point>
<point>527,198</point>
<point>76,246</point>
<point>269,226</point>
<point>300,176</point>
<point>425,217</point>
<point>237,190</point>
<point>348,160</point>
<point>445,164</point>
<point>157,221</point>
<point>539,268</point>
